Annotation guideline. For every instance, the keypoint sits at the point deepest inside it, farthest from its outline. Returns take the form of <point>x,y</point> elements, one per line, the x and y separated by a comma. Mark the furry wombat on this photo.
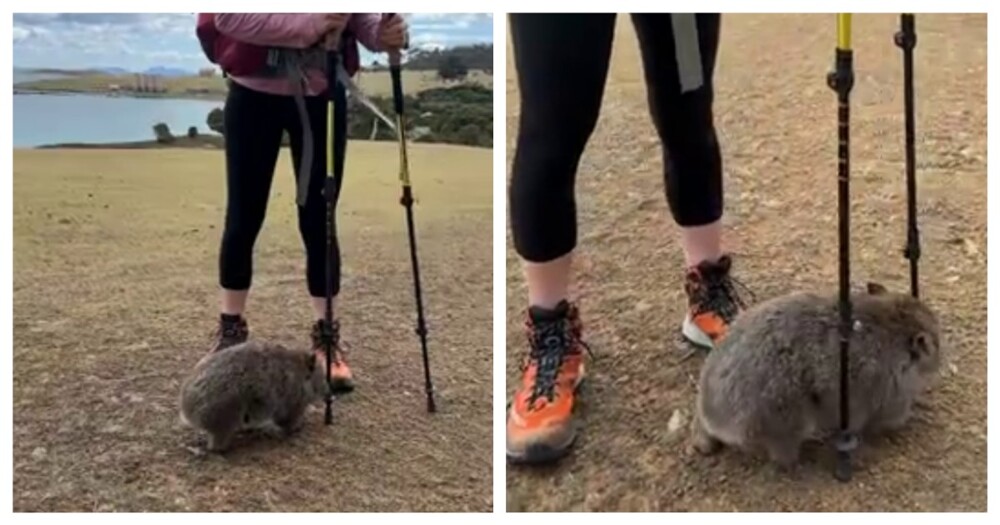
<point>251,385</point>
<point>775,380</point>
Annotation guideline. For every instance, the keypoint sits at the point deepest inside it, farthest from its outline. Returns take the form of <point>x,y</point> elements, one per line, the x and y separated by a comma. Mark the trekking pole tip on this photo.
<point>431,406</point>
<point>845,444</point>
<point>844,471</point>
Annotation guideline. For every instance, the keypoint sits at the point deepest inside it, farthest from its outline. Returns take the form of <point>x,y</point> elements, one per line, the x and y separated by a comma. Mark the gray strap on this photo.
<point>687,51</point>
<point>354,91</point>
<point>297,78</point>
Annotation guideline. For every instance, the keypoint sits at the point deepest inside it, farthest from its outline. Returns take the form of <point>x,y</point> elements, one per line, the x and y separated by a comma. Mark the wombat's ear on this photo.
<point>876,289</point>
<point>311,362</point>
<point>920,347</point>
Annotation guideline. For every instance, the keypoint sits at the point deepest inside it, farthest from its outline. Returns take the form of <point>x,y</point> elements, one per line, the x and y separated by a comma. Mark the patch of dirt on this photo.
<point>777,120</point>
<point>115,298</point>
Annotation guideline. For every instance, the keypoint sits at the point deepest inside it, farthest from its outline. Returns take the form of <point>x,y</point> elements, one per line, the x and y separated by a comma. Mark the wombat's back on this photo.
<point>251,375</point>
<point>770,355</point>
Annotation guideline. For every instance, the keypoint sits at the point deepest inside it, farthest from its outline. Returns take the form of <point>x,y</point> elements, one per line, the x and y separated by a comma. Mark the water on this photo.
<point>54,119</point>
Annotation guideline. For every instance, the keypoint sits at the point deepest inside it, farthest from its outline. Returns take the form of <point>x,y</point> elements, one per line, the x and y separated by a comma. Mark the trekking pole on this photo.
<point>407,201</point>
<point>842,80</point>
<point>334,173</point>
<point>906,39</point>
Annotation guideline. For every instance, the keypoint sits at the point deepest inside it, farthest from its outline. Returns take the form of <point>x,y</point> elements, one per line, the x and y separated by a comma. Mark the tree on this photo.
<point>162,132</point>
<point>452,68</point>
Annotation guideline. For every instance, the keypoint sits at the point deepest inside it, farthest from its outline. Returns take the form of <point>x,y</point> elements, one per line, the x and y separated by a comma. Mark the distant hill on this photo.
<point>479,56</point>
<point>51,71</point>
<point>113,70</point>
<point>164,71</point>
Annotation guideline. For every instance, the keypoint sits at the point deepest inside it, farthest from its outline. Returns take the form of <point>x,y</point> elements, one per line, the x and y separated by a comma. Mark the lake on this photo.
<point>53,119</point>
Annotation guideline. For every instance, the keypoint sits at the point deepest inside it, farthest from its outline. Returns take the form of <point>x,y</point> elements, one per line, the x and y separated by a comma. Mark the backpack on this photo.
<point>239,58</point>
<point>235,57</point>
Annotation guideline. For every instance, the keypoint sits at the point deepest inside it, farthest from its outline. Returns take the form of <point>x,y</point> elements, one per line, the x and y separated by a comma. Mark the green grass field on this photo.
<point>115,293</point>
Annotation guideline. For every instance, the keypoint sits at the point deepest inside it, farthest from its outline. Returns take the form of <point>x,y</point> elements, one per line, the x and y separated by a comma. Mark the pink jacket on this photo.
<point>293,30</point>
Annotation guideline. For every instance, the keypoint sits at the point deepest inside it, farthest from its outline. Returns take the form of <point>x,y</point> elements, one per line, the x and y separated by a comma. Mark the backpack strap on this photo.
<point>292,64</point>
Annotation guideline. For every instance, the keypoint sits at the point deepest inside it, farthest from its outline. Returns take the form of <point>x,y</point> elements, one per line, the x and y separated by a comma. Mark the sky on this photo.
<point>137,41</point>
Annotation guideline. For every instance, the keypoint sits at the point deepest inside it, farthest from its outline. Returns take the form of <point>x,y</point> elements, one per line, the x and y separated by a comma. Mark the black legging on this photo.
<point>254,124</point>
<point>562,62</point>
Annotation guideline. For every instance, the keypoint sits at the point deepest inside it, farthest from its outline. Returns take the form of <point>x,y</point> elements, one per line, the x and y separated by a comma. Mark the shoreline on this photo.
<point>201,97</point>
<point>182,142</point>
<point>202,142</point>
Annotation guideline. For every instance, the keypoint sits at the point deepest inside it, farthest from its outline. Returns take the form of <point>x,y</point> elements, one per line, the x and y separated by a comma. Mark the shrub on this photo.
<point>469,134</point>
<point>162,132</point>
<point>461,114</point>
<point>452,68</point>
<point>216,121</point>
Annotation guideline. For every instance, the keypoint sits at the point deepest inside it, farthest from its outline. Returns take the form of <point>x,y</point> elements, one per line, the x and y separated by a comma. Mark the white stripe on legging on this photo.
<point>687,51</point>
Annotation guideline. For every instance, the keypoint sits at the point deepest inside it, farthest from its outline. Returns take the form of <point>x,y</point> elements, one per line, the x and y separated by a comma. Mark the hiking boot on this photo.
<point>713,302</point>
<point>341,379</point>
<point>232,331</point>
<point>540,423</point>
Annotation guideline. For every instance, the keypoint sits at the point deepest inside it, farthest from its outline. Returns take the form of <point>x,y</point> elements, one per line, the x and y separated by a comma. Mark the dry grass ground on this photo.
<point>778,132</point>
<point>374,83</point>
<point>115,276</point>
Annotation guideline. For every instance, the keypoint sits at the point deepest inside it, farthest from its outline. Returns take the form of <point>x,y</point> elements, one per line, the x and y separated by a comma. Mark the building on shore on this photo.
<point>148,84</point>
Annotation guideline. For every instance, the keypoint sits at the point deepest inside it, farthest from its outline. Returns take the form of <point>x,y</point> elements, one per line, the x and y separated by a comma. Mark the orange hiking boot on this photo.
<point>341,379</point>
<point>713,302</point>
<point>540,423</point>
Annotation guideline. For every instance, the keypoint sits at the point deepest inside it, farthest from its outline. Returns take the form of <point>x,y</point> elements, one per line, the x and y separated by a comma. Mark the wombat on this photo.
<point>251,385</point>
<point>774,382</point>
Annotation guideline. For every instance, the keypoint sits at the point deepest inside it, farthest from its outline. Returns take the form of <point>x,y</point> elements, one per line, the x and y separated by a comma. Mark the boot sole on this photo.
<point>539,454</point>
<point>695,335</point>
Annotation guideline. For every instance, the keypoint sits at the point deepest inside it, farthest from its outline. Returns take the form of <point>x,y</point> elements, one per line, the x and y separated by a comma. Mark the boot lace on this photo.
<point>723,295</point>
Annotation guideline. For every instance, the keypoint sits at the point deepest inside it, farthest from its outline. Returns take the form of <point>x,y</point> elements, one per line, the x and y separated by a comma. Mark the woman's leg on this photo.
<point>562,63</point>
<point>679,52</point>
<point>313,220</point>
<point>253,138</point>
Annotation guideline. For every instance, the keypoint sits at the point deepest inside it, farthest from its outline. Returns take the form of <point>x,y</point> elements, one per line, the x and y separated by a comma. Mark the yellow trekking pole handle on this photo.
<point>844,30</point>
